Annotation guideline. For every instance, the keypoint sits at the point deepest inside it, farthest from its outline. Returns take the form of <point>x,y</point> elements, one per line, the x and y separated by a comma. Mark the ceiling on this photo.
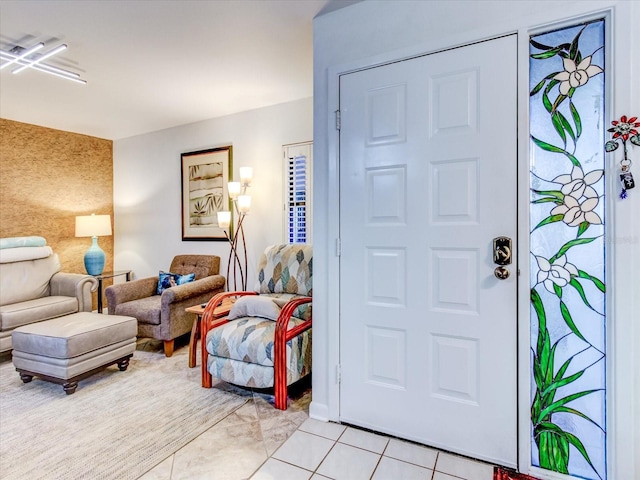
<point>151,65</point>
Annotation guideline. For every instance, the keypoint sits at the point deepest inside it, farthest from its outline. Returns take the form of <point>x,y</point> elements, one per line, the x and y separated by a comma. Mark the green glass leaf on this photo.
<point>541,46</point>
<point>561,371</point>
<point>548,374</point>
<point>573,411</point>
<point>544,450</point>
<point>547,200</point>
<point>536,300</point>
<point>550,219</point>
<point>573,50</point>
<point>583,228</point>
<point>575,441</point>
<point>558,290</point>
<point>561,383</point>
<point>565,248</point>
<point>552,148</point>
<point>563,401</point>
<point>599,284</point>
<point>566,125</point>
<point>546,102</point>
<point>576,119</point>
<point>547,146</point>
<point>575,284</point>
<point>559,100</point>
<point>635,139</point>
<point>562,454</point>
<point>547,54</point>
<point>538,87</point>
<point>555,193</point>
<point>537,374</point>
<point>611,146</point>
<point>545,357</point>
<point>557,125</point>
<point>566,315</point>
<point>573,159</point>
<point>552,448</point>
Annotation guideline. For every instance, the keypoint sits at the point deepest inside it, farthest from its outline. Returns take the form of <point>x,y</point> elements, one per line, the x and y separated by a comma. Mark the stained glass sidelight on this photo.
<point>567,214</point>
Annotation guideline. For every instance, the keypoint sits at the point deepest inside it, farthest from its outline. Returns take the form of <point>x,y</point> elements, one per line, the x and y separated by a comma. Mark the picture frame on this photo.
<point>205,175</point>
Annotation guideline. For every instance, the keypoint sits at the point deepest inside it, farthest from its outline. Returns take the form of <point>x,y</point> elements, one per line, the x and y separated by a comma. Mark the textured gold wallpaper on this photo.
<point>47,177</point>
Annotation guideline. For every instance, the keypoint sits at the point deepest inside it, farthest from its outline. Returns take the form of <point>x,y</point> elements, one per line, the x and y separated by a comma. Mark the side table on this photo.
<point>220,312</point>
<point>104,275</point>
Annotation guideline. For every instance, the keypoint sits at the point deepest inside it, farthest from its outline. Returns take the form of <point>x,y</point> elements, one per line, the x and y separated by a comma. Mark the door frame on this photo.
<point>622,254</point>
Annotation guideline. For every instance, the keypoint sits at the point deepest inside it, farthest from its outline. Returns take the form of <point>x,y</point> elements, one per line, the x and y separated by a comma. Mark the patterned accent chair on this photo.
<point>263,339</point>
<point>163,316</point>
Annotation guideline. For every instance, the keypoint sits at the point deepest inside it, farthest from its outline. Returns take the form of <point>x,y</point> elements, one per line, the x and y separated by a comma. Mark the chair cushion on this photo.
<point>241,338</point>
<point>286,269</point>
<point>27,280</point>
<point>146,310</point>
<point>250,339</point>
<point>45,308</point>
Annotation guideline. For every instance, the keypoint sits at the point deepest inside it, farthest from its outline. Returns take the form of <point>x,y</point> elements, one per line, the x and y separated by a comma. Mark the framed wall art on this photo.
<point>205,175</point>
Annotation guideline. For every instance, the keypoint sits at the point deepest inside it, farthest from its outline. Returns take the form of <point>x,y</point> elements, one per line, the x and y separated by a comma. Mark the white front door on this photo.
<point>427,181</point>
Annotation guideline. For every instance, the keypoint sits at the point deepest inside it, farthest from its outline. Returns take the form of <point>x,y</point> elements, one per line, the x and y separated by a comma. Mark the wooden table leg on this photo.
<point>193,342</point>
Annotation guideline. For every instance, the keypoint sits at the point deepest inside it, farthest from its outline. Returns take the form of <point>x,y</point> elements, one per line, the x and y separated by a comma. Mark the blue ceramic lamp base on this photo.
<point>94,258</point>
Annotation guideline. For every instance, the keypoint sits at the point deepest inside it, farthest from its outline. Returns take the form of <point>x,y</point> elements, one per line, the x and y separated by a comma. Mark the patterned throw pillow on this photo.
<point>168,280</point>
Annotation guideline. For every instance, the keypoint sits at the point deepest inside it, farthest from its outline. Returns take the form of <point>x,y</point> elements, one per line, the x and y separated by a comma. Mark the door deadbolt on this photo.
<point>502,250</point>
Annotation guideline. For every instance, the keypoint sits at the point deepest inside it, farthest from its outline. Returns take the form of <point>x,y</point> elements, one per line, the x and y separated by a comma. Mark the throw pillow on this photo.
<point>168,280</point>
<point>254,306</point>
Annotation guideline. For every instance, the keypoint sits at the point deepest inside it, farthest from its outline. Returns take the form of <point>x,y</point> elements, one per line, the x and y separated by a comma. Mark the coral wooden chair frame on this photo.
<point>211,320</point>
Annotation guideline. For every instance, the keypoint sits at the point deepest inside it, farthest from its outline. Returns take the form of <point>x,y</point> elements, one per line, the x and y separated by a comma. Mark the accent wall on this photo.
<point>47,177</point>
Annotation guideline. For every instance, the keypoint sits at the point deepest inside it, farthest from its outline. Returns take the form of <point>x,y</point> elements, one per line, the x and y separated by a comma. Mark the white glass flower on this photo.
<point>575,76</point>
<point>578,184</point>
<point>557,273</point>
<point>575,213</point>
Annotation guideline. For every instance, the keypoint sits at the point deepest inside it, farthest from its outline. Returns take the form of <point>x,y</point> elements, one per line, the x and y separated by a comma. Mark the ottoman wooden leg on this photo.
<point>26,378</point>
<point>124,363</point>
<point>70,387</point>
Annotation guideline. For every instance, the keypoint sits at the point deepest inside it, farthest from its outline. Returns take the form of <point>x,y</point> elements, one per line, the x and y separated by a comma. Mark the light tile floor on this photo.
<point>258,442</point>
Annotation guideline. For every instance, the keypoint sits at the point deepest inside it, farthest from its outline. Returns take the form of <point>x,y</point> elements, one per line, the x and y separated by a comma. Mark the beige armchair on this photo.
<point>163,316</point>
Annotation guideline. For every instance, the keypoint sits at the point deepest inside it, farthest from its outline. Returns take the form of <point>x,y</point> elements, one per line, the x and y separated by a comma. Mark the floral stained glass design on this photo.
<point>567,212</point>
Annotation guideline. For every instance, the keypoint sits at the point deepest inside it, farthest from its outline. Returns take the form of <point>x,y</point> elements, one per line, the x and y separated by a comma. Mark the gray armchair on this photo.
<point>163,317</point>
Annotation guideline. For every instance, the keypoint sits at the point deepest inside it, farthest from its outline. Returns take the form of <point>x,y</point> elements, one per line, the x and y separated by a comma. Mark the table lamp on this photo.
<point>93,226</point>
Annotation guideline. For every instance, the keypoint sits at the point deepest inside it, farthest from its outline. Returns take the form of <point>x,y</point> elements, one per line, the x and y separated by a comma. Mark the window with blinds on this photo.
<point>297,196</point>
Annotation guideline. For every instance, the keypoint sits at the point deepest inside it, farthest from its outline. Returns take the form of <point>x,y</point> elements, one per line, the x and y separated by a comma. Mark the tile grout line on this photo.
<point>433,472</point>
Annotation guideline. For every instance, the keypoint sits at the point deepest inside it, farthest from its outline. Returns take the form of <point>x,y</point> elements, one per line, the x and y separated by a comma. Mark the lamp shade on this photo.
<point>244,203</point>
<point>246,175</point>
<point>224,219</point>
<point>234,189</point>
<point>93,225</point>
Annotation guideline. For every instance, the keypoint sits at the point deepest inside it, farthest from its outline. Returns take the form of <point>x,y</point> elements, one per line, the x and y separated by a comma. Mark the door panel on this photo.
<point>427,180</point>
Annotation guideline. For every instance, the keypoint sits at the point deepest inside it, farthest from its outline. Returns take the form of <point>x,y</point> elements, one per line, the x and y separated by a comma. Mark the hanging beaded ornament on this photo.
<point>623,130</point>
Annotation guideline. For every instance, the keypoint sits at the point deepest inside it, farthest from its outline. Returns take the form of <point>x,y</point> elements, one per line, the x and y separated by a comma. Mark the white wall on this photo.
<point>373,32</point>
<point>147,184</point>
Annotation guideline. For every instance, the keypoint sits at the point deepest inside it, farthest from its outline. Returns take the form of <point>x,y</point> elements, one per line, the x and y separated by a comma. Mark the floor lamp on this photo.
<point>241,205</point>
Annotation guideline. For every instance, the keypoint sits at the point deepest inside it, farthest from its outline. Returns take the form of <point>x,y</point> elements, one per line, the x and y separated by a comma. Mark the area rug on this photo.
<point>117,425</point>
<point>504,474</point>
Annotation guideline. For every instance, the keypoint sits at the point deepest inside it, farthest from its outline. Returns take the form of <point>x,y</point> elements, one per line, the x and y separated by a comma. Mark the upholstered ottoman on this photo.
<point>67,349</point>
